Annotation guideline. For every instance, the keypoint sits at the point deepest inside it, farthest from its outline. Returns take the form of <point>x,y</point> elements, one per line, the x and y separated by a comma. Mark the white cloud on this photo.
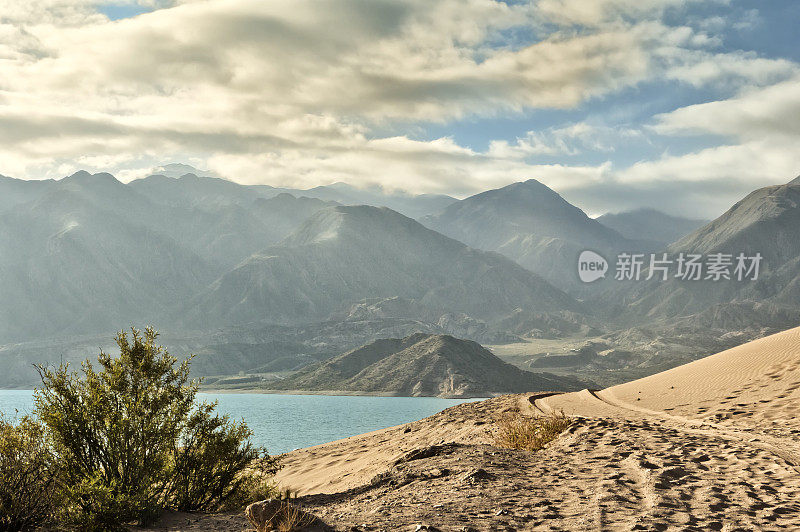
<point>599,12</point>
<point>770,113</point>
<point>758,163</point>
<point>290,92</point>
<point>237,78</point>
<point>761,132</point>
<point>571,140</point>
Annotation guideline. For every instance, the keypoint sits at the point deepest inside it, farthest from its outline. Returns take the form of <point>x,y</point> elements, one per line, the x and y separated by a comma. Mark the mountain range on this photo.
<point>344,254</point>
<point>764,223</point>
<point>308,275</point>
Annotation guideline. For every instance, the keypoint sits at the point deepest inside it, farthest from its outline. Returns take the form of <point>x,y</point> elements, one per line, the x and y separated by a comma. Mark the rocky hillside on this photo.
<point>346,254</point>
<point>765,222</point>
<point>424,365</point>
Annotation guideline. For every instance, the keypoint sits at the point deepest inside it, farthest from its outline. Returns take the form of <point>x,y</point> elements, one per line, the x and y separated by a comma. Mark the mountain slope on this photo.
<point>78,260</point>
<point>17,191</point>
<point>649,225</point>
<point>344,254</point>
<point>424,365</point>
<point>88,253</point>
<point>531,224</point>
<point>765,222</point>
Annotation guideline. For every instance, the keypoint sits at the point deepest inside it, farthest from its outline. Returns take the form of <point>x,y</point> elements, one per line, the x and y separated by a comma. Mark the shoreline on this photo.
<point>340,393</point>
<point>343,393</point>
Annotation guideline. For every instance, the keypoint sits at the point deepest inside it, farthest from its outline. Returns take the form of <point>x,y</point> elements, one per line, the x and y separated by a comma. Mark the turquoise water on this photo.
<point>285,422</point>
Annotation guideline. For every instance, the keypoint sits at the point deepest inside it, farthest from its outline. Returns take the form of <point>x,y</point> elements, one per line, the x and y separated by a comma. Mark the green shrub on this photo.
<point>208,464</point>
<point>28,476</point>
<point>133,442</point>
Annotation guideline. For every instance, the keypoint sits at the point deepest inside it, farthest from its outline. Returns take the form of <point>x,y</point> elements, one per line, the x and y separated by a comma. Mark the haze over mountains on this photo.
<point>345,254</point>
<point>258,278</point>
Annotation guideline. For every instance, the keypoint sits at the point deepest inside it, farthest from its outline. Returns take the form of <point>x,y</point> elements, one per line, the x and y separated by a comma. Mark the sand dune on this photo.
<point>755,385</point>
<point>711,445</point>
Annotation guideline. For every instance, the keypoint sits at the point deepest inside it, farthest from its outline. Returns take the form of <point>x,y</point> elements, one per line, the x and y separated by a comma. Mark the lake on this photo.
<point>285,422</point>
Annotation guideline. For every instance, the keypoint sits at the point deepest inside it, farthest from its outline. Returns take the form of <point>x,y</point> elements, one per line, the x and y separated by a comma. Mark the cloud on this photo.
<point>292,92</point>
<point>600,12</point>
<point>761,132</point>
<point>571,140</point>
<point>760,139</point>
<point>237,78</point>
<point>396,60</point>
<point>771,113</point>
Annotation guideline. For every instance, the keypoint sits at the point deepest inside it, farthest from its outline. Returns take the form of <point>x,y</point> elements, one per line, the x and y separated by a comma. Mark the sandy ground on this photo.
<point>711,445</point>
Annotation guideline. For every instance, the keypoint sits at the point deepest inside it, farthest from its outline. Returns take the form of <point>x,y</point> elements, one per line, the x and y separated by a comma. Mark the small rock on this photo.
<point>424,452</point>
<point>501,511</point>
<point>476,475</point>
<point>435,473</point>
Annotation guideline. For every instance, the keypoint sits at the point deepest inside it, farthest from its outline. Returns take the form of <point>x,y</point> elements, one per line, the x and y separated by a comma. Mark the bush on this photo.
<point>133,442</point>
<point>516,431</point>
<point>28,476</point>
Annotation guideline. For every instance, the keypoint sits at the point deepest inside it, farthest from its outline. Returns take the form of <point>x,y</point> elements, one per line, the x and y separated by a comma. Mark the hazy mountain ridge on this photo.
<point>531,224</point>
<point>89,253</point>
<point>72,263</point>
<point>424,365</point>
<point>650,225</point>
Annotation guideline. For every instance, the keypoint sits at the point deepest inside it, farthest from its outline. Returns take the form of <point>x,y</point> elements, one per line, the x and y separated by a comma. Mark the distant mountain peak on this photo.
<point>530,223</point>
<point>84,177</point>
<point>526,197</point>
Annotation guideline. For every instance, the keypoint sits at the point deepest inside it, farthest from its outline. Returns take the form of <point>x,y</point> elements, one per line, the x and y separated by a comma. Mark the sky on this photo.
<point>681,105</point>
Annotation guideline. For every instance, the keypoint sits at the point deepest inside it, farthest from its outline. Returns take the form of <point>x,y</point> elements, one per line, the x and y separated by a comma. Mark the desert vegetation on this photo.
<point>119,443</point>
<point>517,431</point>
